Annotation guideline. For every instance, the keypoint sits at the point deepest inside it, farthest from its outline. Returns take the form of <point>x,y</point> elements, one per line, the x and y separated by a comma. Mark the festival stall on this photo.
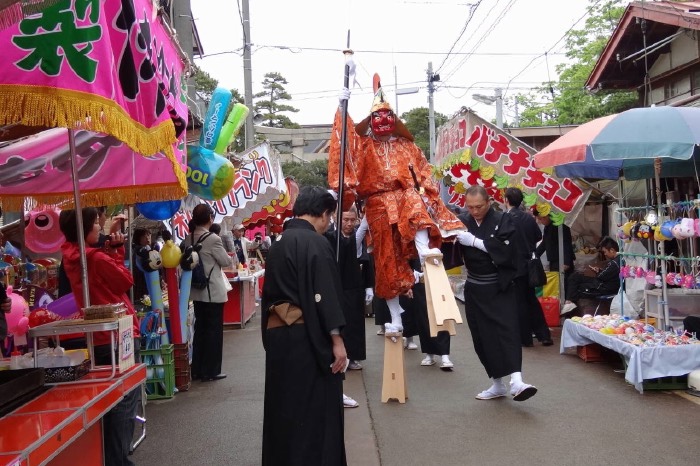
<point>644,143</point>
<point>260,195</point>
<point>121,97</point>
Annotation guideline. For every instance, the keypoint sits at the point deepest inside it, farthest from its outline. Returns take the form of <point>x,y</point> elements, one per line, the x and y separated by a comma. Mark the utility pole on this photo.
<point>431,110</point>
<point>498,93</point>
<point>247,75</point>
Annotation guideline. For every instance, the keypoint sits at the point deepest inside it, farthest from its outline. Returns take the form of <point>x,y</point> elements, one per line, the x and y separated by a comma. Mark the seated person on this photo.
<point>605,282</point>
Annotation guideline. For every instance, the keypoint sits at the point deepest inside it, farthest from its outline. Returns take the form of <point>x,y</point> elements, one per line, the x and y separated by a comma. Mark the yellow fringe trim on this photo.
<point>52,107</point>
<point>96,198</point>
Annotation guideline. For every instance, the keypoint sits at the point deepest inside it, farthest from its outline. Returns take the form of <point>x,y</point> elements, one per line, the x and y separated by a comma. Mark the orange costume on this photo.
<point>379,172</point>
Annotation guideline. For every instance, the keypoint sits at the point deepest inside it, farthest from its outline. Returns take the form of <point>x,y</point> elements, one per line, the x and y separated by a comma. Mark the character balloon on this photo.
<point>215,117</point>
<point>209,175</point>
<point>41,231</point>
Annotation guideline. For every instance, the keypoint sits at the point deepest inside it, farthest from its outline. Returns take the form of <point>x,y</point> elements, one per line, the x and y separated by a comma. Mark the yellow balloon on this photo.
<point>170,255</point>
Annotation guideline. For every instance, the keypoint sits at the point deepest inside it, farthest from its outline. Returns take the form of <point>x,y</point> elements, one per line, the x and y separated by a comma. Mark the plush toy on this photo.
<point>676,230</point>
<point>686,228</point>
<point>627,229</point>
<point>644,231</point>
<point>667,228</point>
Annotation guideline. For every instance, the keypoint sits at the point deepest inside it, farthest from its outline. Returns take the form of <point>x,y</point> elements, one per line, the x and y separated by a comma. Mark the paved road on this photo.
<point>583,414</point>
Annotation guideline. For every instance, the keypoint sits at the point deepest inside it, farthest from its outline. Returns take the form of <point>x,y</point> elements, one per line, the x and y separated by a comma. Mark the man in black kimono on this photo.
<point>529,309</point>
<point>305,356</point>
<point>550,245</point>
<point>490,256</point>
<point>357,285</point>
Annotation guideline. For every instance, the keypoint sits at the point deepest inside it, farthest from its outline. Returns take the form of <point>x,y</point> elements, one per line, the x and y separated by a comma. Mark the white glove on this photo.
<point>360,235</point>
<point>344,95</point>
<point>417,276</point>
<point>468,239</point>
<point>369,294</point>
<point>334,194</point>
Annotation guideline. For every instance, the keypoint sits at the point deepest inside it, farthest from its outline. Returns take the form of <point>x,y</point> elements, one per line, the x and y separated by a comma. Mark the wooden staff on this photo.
<point>343,144</point>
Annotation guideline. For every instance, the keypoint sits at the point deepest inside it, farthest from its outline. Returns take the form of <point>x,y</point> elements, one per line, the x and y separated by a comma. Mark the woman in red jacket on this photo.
<point>108,282</point>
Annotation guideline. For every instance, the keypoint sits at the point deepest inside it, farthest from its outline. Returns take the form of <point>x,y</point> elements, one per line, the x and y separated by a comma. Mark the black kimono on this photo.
<point>355,276</point>
<point>303,413</point>
<point>489,295</point>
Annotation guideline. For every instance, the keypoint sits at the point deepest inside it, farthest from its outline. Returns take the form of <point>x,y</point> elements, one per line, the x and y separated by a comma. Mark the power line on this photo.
<point>505,91</point>
<point>295,49</point>
<point>472,10</point>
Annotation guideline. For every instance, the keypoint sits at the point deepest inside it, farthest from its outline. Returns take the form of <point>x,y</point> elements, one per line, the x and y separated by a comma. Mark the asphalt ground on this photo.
<point>583,414</point>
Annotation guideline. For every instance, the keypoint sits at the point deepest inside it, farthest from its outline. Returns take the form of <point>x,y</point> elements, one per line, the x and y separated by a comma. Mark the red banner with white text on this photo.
<point>470,151</point>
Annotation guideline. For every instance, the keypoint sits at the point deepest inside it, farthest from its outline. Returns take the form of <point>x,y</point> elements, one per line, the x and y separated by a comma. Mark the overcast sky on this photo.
<point>502,45</point>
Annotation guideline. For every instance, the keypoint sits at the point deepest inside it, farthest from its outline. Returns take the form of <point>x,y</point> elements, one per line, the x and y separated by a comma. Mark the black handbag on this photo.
<point>535,272</point>
<point>451,255</point>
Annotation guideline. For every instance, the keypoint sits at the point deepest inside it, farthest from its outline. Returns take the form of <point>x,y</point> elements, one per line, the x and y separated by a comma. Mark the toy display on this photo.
<point>635,332</point>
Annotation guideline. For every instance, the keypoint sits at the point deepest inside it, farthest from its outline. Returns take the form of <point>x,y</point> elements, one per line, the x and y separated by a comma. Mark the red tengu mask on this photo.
<point>383,122</point>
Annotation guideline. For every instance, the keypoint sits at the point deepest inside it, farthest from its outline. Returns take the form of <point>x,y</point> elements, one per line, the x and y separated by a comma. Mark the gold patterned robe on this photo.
<point>379,173</point>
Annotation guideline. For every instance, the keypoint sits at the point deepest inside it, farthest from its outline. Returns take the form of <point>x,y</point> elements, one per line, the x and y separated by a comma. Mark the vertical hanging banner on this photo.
<point>108,67</point>
<point>258,183</point>
<point>470,151</point>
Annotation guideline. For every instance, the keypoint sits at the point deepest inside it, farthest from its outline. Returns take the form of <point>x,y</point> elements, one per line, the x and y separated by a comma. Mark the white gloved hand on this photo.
<point>360,235</point>
<point>417,276</point>
<point>466,238</point>
<point>334,194</point>
<point>369,295</point>
<point>344,95</point>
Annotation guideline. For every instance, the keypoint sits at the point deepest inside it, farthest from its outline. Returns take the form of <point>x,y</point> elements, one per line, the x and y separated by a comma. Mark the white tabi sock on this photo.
<point>422,241</point>
<point>516,378</point>
<point>395,310</point>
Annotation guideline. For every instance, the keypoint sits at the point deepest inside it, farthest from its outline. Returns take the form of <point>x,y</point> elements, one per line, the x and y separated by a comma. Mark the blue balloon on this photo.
<point>160,210</point>
<point>209,175</point>
<point>215,118</point>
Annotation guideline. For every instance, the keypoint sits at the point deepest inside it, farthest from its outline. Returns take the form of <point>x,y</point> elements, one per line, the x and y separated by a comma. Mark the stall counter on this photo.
<point>242,299</point>
<point>61,426</point>
<point>643,363</point>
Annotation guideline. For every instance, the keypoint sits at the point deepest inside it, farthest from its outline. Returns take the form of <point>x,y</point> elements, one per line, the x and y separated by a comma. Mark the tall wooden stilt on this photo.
<point>394,381</point>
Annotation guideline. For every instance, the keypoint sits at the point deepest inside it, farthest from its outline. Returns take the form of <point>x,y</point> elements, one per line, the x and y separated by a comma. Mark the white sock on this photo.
<point>516,378</point>
<point>395,310</point>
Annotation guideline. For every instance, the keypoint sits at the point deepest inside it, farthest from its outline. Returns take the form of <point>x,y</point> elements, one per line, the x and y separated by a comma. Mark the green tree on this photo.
<point>566,101</point>
<point>313,173</point>
<point>270,104</point>
<point>204,83</point>
<point>418,124</point>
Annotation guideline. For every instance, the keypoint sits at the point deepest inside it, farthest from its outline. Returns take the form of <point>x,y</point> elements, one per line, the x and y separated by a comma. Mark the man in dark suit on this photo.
<point>530,313</point>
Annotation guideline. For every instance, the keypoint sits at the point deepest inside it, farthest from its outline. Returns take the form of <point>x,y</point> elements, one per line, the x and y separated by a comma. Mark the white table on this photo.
<point>643,363</point>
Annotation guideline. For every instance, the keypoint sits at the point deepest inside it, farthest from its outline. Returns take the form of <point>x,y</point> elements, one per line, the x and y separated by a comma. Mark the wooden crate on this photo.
<point>591,353</point>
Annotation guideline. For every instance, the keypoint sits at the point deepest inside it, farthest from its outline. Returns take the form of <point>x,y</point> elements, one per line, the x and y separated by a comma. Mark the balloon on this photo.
<point>215,117</point>
<point>11,250</point>
<point>65,306</point>
<point>170,254</point>
<point>177,336</point>
<point>19,309</point>
<point>234,121</point>
<point>209,175</point>
<point>42,233</point>
<point>159,210</point>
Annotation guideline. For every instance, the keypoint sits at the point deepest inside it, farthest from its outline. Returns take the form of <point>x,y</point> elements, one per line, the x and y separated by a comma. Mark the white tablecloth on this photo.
<point>642,362</point>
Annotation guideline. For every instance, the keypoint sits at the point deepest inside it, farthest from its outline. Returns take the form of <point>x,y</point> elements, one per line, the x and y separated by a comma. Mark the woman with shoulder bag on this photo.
<point>208,341</point>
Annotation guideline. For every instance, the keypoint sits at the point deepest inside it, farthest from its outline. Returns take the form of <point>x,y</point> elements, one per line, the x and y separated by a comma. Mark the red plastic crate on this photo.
<point>550,308</point>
